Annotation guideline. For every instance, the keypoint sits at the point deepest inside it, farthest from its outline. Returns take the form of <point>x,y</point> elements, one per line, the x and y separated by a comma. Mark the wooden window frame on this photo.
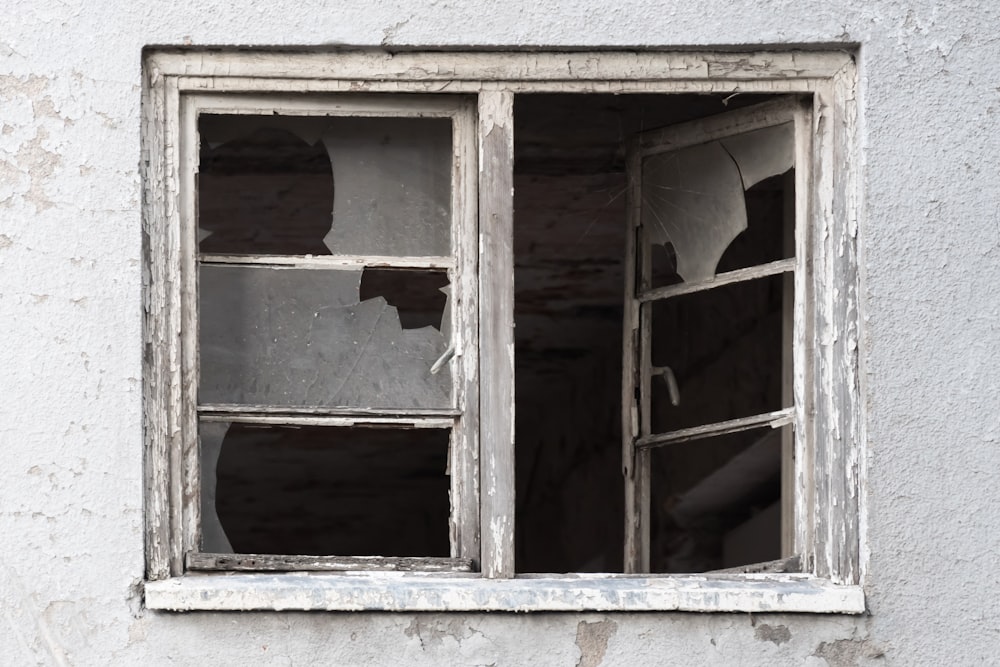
<point>638,439</point>
<point>828,490</point>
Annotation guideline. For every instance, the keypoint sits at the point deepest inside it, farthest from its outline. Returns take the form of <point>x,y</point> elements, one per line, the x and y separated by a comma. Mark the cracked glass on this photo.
<point>695,201</point>
<point>291,337</point>
<point>325,185</point>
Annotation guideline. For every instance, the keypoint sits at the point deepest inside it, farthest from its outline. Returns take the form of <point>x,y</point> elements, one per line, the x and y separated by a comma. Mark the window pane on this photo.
<point>330,490</point>
<point>716,502</point>
<point>325,185</point>
<point>718,206</point>
<point>724,347</point>
<point>305,338</point>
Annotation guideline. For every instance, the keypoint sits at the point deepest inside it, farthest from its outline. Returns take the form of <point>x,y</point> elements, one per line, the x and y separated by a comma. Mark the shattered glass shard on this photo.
<point>303,338</point>
<point>213,535</point>
<point>693,198</point>
<point>393,186</point>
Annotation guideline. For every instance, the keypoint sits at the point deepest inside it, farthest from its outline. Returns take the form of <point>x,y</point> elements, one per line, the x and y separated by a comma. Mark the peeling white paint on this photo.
<point>388,592</point>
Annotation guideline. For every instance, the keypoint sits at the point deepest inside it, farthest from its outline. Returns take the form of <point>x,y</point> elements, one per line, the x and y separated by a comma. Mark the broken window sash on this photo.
<point>717,503</point>
<point>295,185</point>
<point>321,490</point>
<point>303,338</point>
<point>716,355</point>
<point>694,204</point>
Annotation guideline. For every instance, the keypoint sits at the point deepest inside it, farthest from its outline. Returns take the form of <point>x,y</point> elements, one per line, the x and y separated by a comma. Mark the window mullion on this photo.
<point>496,332</point>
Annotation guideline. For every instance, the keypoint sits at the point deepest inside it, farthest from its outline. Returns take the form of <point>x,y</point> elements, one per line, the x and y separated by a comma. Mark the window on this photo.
<point>335,385</point>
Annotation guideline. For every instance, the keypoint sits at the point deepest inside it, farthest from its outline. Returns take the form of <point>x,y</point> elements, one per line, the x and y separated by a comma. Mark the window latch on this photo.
<point>667,374</point>
<point>443,359</point>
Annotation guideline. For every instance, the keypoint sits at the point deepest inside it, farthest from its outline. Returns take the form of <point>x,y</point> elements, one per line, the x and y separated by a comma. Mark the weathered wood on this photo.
<point>330,261</point>
<point>246,84</point>
<point>496,334</point>
<point>322,420</point>
<point>172,335</point>
<point>719,280</point>
<point>457,592</point>
<point>662,140</point>
<point>464,464</point>
<point>788,564</point>
<point>634,470</point>
<point>386,106</point>
<point>773,419</point>
<point>827,401</point>
<point>294,563</point>
<point>187,217</point>
<point>236,409</point>
<point>837,423</point>
<point>804,337</point>
<point>378,64</point>
<point>788,307</point>
<point>719,126</point>
<point>156,380</point>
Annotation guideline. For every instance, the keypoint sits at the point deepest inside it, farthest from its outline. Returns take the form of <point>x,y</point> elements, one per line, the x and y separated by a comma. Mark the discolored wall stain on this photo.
<point>592,640</point>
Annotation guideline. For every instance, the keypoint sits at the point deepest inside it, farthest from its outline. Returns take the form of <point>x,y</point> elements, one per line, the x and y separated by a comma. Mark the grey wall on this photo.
<point>70,275</point>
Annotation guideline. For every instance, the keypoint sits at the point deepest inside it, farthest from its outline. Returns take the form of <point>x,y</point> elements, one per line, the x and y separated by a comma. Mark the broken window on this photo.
<point>331,391</point>
<point>321,293</point>
<point>709,200</point>
<point>529,323</point>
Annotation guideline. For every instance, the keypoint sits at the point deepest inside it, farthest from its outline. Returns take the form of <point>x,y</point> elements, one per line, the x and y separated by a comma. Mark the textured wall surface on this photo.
<point>70,276</point>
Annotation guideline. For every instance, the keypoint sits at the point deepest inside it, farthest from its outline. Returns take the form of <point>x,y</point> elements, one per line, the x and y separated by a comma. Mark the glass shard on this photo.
<point>335,491</point>
<point>724,347</point>
<point>318,185</point>
<point>303,338</point>
<point>213,535</point>
<point>768,219</point>
<point>393,186</point>
<point>693,198</point>
<point>762,153</point>
<point>716,502</point>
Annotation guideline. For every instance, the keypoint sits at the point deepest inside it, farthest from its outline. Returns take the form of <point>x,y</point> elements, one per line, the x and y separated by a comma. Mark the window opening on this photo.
<point>331,490</point>
<point>721,350</point>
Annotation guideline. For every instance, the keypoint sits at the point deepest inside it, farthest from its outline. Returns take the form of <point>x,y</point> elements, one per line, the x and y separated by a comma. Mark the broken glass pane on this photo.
<point>213,535</point>
<point>693,198</point>
<point>419,296</point>
<point>265,185</point>
<point>393,186</point>
<point>762,153</point>
<point>303,338</point>
<point>321,490</point>
<point>716,502</point>
<point>723,348</point>
<point>321,185</point>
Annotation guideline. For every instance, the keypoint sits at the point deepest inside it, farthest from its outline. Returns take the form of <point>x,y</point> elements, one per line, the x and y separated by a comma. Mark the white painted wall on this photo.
<point>70,275</point>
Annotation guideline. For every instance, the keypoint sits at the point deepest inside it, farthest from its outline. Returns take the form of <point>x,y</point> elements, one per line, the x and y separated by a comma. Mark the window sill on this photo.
<point>409,592</point>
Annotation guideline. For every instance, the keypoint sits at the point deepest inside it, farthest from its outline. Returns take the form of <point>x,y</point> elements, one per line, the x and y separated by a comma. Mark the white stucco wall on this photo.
<point>70,275</point>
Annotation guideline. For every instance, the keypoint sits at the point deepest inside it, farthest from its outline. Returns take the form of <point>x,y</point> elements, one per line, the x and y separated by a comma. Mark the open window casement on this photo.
<point>713,333</point>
